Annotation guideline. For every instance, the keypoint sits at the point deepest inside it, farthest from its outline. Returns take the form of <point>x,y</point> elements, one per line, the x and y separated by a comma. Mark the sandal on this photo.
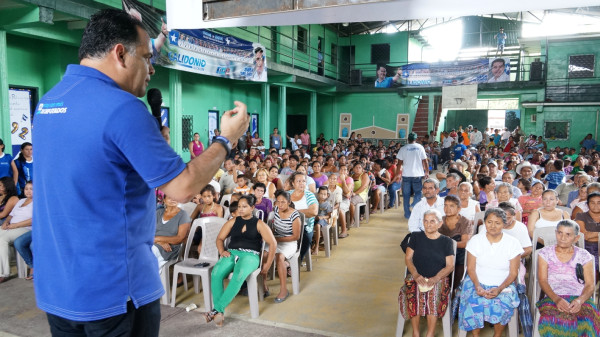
<point>29,278</point>
<point>208,316</point>
<point>343,236</point>
<point>219,319</point>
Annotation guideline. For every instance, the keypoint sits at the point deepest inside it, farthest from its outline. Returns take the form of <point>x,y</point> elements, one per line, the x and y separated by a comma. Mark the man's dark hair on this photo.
<point>107,28</point>
<point>501,60</point>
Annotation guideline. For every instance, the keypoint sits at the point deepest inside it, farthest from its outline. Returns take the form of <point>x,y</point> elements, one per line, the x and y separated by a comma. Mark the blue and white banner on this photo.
<point>456,72</point>
<point>205,52</point>
<point>200,51</point>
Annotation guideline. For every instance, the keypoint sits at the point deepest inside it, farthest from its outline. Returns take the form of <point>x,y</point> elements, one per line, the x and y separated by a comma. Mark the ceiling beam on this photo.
<point>25,17</point>
<point>58,33</point>
<point>83,9</point>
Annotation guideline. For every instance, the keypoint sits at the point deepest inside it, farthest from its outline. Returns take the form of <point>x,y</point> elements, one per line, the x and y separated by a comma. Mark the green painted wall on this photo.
<point>558,59</point>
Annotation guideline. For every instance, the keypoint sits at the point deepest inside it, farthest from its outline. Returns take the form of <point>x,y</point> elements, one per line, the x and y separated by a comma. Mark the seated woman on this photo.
<point>468,206</point>
<point>262,176</point>
<point>566,276</point>
<point>172,228</point>
<point>589,224</point>
<point>429,260</point>
<point>504,192</point>
<point>530,202</point>
<point>486,192</point>
<point>15,225</point>
<point>208,207</point>
<point>286,229</point>
<point>242,256</point>
<point>361,189</point>
<point>460,229</point>
<point>262,203</point>
<point>547,215</point>
<point>488,293</point>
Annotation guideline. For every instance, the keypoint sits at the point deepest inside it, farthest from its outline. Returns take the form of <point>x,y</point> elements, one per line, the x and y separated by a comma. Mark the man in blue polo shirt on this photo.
<point>94,219</point>
<point>386,82</point>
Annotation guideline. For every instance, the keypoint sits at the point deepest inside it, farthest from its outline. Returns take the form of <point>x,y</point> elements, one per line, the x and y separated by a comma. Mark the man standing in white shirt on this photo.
<point>476,137</point>
<point>447,147</point>
<point>431,189</point>
<point>412,167</point>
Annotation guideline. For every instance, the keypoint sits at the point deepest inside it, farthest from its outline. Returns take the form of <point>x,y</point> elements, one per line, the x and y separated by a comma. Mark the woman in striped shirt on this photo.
<point>286,228</point>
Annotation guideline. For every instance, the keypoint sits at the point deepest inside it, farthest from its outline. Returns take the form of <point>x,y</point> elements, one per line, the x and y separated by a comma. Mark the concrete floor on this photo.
<point>353,293</point>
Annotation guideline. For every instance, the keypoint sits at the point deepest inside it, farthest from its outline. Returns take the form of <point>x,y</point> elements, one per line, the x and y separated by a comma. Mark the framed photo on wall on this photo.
<point>213,123</point>
<point>557,130</point>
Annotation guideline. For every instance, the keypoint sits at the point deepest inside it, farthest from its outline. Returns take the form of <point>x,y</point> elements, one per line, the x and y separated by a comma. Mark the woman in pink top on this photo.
<point>305,138</point>
<point>566,276</point>
<point>195,146</point>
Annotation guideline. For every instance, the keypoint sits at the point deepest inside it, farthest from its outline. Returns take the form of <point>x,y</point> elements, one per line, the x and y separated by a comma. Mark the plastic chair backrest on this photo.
<point>259,213</point>
<point>548,234</point>
<point>226,197</point>
<point>211,226</point>
<point>303,224</point>
<point>478,216</point>
<point>188,207</point>
<point>567,209</point>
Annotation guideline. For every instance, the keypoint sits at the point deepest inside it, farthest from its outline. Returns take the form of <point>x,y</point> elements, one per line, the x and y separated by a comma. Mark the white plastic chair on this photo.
<point>165,277</point>
<point>226,197</point>
<point>398,195</point>
<point>21,265</point>
<point>327,232</point>
<point>445,319</point>
<point>382,201</point>
<point>211,226</point>
<point>478,216</point>
<point>513,324</point>
<point>564,208</point>
<point>188,207</point>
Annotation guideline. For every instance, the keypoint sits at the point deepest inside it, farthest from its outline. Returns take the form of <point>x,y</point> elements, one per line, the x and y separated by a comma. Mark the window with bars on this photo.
<point>187,125</point>
<point>380,54</point>
<point>302,39</point>
<point>581,66</point>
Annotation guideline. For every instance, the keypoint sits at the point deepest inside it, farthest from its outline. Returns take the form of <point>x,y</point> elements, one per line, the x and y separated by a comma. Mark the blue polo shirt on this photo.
<point>98,158</point>
<point>386,83</point>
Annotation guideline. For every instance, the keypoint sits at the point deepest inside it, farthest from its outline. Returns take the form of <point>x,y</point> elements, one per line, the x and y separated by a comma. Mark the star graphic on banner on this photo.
<point>174,36</point>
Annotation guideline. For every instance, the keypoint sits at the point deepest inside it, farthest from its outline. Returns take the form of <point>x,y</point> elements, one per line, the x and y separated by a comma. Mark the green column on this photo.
<point>431,113</point>
<point>265,106</point>
<point>176,112</point>
<point>281,117</point>
<point>5,115</point>
<point>312,118</point>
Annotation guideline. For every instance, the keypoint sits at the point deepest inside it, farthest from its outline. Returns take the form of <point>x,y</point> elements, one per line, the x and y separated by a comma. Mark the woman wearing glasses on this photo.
<point>566,276</point>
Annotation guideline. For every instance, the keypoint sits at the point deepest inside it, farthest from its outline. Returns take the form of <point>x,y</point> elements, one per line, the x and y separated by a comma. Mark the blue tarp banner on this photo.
<point>456,72</point>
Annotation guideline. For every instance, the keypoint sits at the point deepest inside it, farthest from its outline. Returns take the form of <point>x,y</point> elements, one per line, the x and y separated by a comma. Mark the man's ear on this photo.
<point>119,53</point>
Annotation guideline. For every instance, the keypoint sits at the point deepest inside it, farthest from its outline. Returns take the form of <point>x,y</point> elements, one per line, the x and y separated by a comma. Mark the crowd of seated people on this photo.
<point>534,187</point>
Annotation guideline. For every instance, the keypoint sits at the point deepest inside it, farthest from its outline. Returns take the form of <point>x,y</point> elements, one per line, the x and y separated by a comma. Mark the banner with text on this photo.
<point>200,51</point>
<point>456,72</point>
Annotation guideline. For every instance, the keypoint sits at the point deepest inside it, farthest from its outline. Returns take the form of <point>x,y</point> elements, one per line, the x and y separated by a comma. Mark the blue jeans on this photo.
<point>392,192</point>
<point>305,245</point>
<point>410,186</point>
<point>434,161</point>
<point>23,246</point>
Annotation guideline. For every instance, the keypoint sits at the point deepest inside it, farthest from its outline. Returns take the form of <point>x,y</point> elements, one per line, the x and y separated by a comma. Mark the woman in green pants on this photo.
<point>242,256</point>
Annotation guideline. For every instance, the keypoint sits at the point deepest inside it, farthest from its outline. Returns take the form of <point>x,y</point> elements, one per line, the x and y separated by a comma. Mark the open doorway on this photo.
<point>296,124</point>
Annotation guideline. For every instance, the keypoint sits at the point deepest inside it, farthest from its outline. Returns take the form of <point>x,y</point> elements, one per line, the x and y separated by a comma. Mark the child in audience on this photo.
<point>207,208</point>
<point>233,209</point>
<point>325,209</point>
<point>241,186</point>
<point>556,176</point>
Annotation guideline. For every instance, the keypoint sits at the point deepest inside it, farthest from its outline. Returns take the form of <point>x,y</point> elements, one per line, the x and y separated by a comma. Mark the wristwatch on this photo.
<point>225,142</point>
